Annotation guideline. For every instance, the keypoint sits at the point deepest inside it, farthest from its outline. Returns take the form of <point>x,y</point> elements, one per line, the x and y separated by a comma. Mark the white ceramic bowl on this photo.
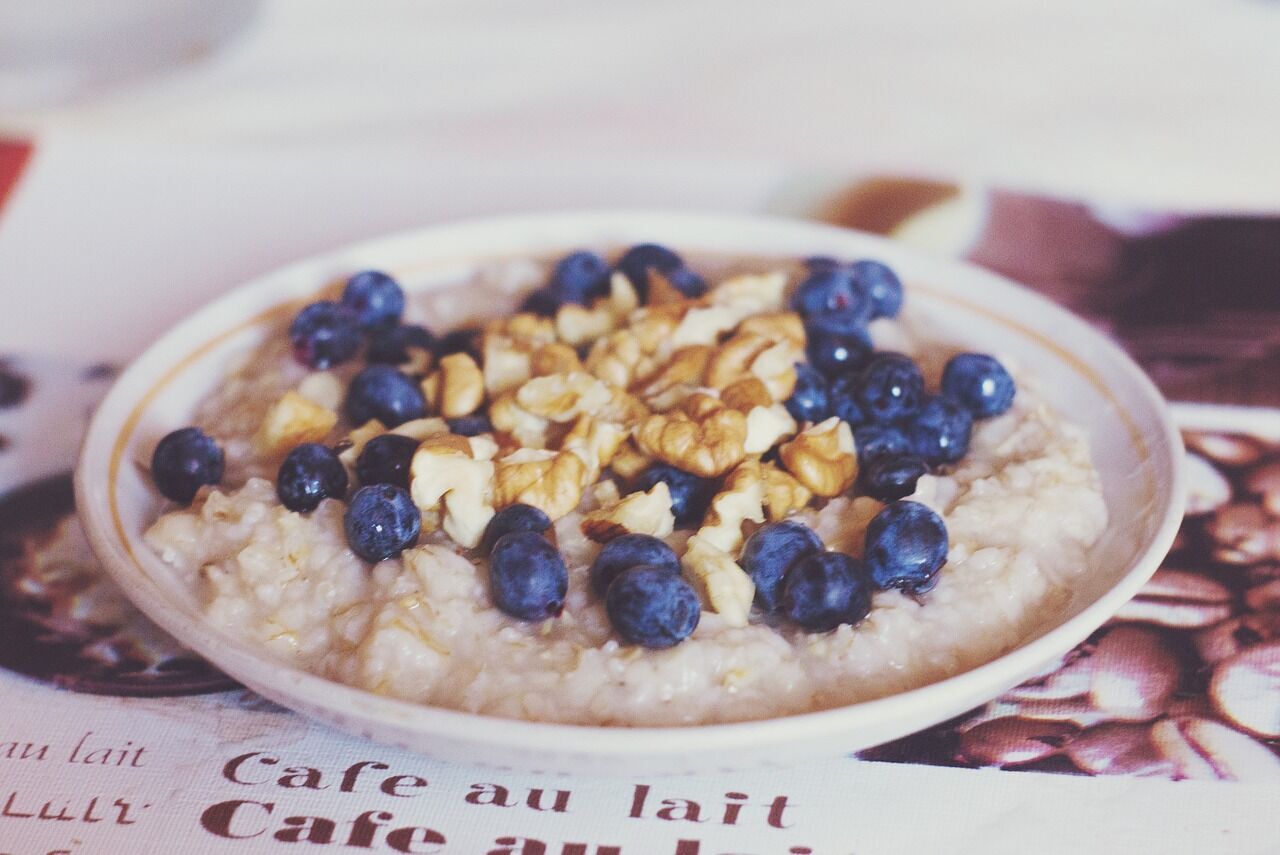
<point>1135,445</point>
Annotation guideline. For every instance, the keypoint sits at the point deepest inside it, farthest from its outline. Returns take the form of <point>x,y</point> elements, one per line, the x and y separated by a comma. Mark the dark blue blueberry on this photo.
<point>541,302</point>
<point>825,589</point>
<point>835,352</point>
<point>906,546</point>
<point>844,400</point>
<point>183,462</point>
<point>579,277</point>
<point>637,262</point>
<point>816,263</point>
<point>324,334</point>
<point>527,576</point>
<point>381,522</point>
<point>811,400</point>
<point>771,551</point>
<point>832,290</point>
<point>383,393</point>
<point>940,431</point>
<point>463,340</point>
<point>515,518</point>
<point>310,472</point>
<point>690,495</point>
<point>881,285</point>
<point>890,387</point>
<point>892,476</point>
<point>375,299</point>
<point>630,550</point>
<point>876,441</point>
<point>652,607</point>
<point>385,459</point>
<point>980,383</point>
<point>473,425</point>
<point>395,346</point>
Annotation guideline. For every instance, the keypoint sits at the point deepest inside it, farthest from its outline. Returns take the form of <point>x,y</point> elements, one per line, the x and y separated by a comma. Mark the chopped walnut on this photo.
<point>629,461</point>
<point>578,325</point>
<point>636,513</point>
<point>751,293</point>
<point>746,394</point>
<point>766,427</point>
<point>704,325</point>
<point>420,429</point>
<point>596,441</point>
<point>564,397</point>
<point>746,354</point>
<point>456,387</point>
<point>708,447</point>
<point>291,421</point>
<point>507,362</point>
<point>740,500</point>
<point>675,380</point>
<point>783,494</point>
<point>823,457</point>
<point>701,404</point>
<point>722,584</point>
<point>552,481</point>
<point>357,440</point>
<point>614,358</point>
<point>555,358</point>
<point>508,417</point>
<point>324,389</point>
<point>776,326</point>
<point>447,483</point>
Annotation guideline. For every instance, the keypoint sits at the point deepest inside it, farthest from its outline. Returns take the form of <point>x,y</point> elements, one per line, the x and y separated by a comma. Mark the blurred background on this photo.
<point>1103,152</point>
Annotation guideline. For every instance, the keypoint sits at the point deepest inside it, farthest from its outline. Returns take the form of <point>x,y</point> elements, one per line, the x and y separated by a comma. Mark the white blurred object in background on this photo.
<point>53,51</point>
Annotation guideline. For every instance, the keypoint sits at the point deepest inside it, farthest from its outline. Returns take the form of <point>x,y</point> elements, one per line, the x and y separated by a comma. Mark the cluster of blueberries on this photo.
<point>900,432</point>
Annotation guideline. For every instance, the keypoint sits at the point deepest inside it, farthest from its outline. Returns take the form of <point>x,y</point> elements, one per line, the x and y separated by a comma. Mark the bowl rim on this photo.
<point>310,692</point>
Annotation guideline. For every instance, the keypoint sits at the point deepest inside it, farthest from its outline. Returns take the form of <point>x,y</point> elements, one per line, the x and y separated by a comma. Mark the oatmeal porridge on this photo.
<point>627,494</point>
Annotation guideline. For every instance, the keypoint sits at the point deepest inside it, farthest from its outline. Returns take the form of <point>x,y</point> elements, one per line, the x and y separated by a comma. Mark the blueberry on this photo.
<point>473,425</point>
<point>310,472</point>
<point>527,576</point>
<point>906,545</point>
<point>978,382</point>
<point>940,431</point>
<point>835,351</point>
<point>690,495</point>
<point>385,460</point>
<point>579,278</point>
<point>770,551</point>
<point>383,393</point>
<point>881,285</point>
<point>541,302</point>
<point>892,476</point>
<point>816,263</point>
<point>876,441</point>
<point>375,299</point>
<point>324,334</point>
<point>811,400</point>
<point>652,607</point>
<point>832,290</point>
<point>463,340</point>
<point>395,346</point>
<point>637,262</point>
<point>381,522</point>
<point>183,462</point>
<point>890,387</point>
<point>515,518</point>
<point>630,550</point>
<point>844,400</point>
<point>825,589</point>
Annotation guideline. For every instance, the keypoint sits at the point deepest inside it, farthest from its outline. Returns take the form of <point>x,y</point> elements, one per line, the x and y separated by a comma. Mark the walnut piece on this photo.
<point>766,427</point>
<point>595,441</point>
<point>751,293</point>
<point>704,325</point>
<point>783,494</point>
<point>447,482</point>
<point>555,358</point>
<point>614,358</point>
<point>740,500</point>
<point>291,421</point>
<point>552,481</point>
<point>676,379</point>
<point>721,583</point>
<point>629,461</point>
<point>636,513</point>
<point>457,386</point>
<point>564,397</point>
<point>823,458</point>
<point>745,394</point>
<point>324,389</point>
<point>708,447</point>
<point>747,354</point>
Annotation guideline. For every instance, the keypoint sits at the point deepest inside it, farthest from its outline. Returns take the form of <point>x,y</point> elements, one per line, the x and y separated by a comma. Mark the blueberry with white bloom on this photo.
<point>309,474</point>
<point>383,393</point>
<point>836,350</point>
<point>690,494</point>
<point>652,607</point>
<point>769,552</point>
<point>881,285</point>
<point>890,387</point>
<point>878,440</point>
<point>324,334</point>
<point>833,292</point>
<point>381,522</point>
<point>374,298</point>
<point>825,589</point>
<point>579,277</point>
<point>385,459</point>
<point>844,399</point>
<point>940,431</point>
<point>811,400</point>
<point>906,546</point>
<point>527,576</point>
<point>630,550</point>
<point>980,383</point>
<point>517,517</point>
<point>184,461</point>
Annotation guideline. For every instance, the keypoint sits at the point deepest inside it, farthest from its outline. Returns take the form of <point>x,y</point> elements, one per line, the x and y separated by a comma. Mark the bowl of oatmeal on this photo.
<point>637,492</point>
